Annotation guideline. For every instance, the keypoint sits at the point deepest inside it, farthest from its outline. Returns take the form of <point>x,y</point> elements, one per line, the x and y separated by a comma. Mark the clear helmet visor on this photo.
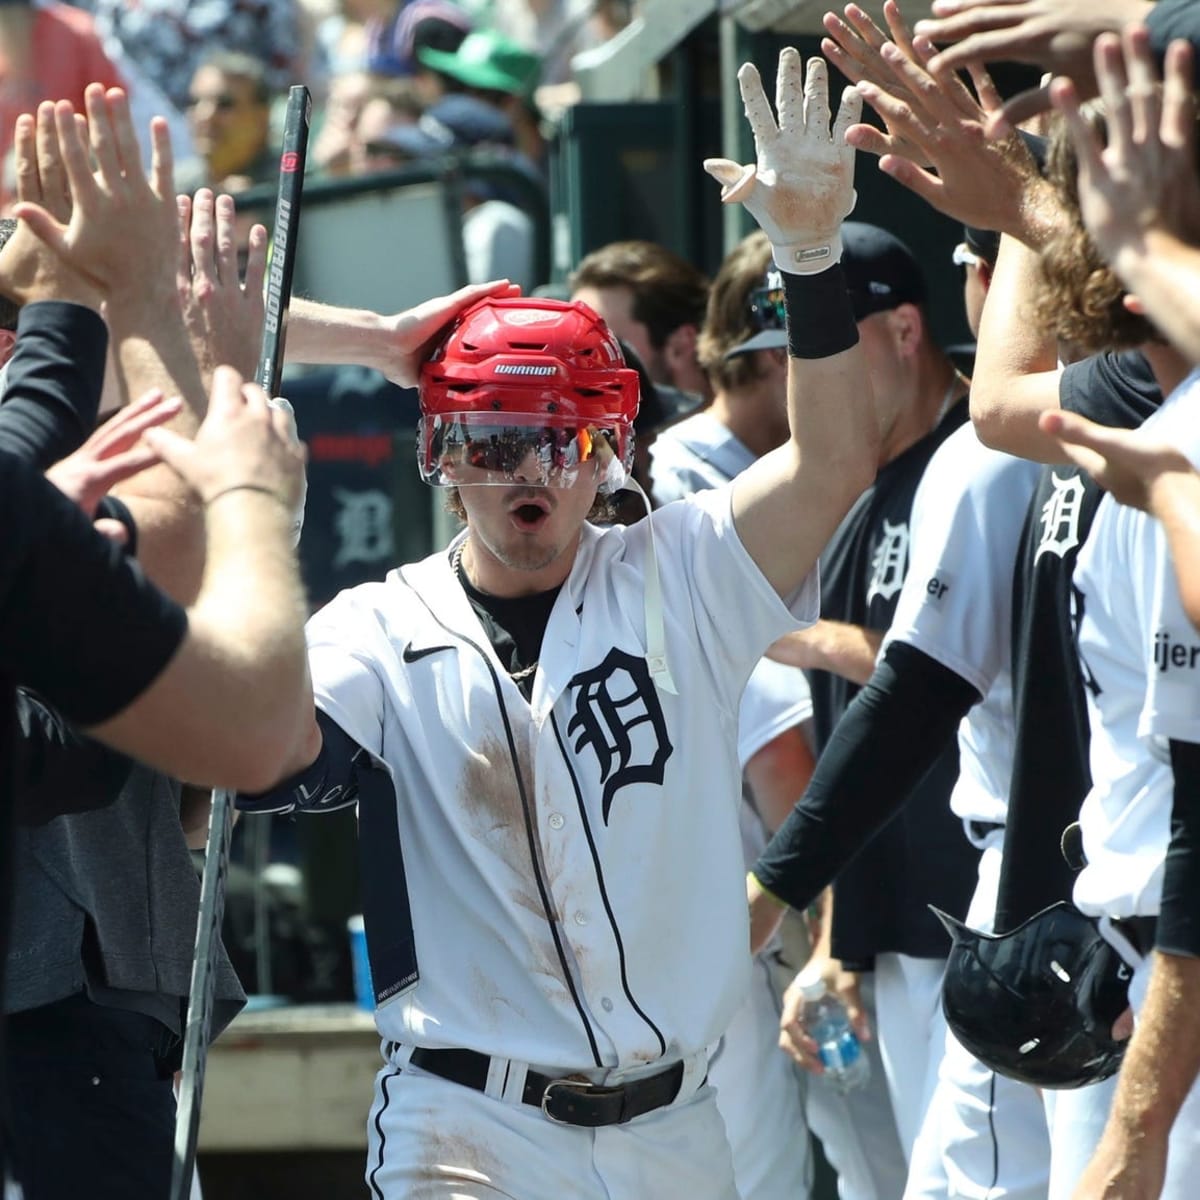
<point>470,449</point>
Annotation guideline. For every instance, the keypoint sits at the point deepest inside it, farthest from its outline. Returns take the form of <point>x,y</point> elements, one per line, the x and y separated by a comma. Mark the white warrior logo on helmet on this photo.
<point>889,563</point>
<point>1060,517</point>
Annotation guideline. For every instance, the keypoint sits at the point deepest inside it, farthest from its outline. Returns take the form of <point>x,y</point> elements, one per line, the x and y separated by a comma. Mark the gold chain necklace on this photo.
<point>456,564</point>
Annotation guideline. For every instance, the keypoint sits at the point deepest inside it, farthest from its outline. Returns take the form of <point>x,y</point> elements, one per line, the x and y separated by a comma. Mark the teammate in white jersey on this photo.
<point>539,725</point>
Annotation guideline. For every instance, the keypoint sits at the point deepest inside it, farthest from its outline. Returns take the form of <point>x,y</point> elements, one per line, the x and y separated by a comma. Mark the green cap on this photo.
<point>488,60</point>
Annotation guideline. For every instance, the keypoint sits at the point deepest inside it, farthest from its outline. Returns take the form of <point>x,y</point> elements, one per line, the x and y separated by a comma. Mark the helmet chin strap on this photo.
<point>656,632</point>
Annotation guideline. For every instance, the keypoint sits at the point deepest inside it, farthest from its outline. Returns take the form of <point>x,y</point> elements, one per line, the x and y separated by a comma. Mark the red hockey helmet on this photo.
<point>522,376</point>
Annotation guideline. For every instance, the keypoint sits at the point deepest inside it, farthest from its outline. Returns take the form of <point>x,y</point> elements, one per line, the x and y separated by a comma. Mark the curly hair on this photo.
<point>1080,297</point>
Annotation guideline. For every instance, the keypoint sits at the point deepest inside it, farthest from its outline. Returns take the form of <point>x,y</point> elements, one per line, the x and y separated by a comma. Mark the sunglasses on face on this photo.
<point>462,453</point>
<point>767,308</point>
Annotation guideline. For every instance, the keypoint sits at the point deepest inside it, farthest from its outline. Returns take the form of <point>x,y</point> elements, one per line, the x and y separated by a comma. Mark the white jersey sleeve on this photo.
<point>776,699</point>
<point>344,661</point>
<point>956,602</point>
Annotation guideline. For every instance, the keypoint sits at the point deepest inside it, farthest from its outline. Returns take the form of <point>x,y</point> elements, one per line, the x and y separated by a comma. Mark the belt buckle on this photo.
<point>579,1083</point>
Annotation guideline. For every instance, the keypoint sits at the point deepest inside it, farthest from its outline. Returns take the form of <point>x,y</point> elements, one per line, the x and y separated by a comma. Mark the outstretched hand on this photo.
<point>223,312</point>
<point>1122,461</point>
<point>1144,178</point>
<point>115,452</point>
<point>935,142</point>
<point>29,269</point>
<point>242,442</point>
<point>801,187</point>
<point>122,225</point>
<point>1055,35</point>
<point>416,331</point>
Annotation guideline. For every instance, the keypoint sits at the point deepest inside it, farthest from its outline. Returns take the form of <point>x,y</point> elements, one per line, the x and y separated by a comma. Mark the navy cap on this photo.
<point>881,272</point>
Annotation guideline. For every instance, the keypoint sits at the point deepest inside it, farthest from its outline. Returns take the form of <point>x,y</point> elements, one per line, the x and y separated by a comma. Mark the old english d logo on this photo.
<point>617,713</point>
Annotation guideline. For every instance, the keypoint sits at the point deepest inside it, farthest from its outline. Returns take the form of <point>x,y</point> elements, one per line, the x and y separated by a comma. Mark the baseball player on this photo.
<point>1140,655</point>
<point>743,344</point>
<point>539,725</point>
<point>944,660</point>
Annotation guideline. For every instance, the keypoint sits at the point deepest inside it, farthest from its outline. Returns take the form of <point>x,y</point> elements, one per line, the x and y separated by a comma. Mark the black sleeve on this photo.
<point>892,733</point>
<point>329,782</point>
<point>1113,388</point>
<point>53,382</point>
<point>57,769</point>
<point>80,624</point>
<point>1171,19</point>
<point>1179,917</point>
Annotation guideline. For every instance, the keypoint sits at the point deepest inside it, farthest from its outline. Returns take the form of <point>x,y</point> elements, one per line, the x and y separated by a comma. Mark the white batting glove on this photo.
<point>802,187</point>
<point>278,402</point>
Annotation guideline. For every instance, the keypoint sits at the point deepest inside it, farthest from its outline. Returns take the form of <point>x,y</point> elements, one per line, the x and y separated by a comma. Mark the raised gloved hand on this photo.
<point>801,188</point>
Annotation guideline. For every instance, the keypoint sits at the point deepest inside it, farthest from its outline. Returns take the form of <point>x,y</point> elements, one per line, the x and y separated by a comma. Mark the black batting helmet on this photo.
<point>1038,1004</point>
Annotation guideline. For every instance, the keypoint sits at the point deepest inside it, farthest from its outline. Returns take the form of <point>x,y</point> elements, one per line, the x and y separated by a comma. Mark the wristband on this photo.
<point>807,258</point>
<point>820,317</point>
<point>249,487</point>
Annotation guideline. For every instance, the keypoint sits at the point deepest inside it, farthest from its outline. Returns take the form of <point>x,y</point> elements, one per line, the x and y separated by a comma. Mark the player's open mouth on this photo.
<point>529,517</point>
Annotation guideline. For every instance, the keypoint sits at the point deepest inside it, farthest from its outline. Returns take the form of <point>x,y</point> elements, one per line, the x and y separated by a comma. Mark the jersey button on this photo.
<point>606,1004</point>
<point>581,918</point>
<point>557,821</point>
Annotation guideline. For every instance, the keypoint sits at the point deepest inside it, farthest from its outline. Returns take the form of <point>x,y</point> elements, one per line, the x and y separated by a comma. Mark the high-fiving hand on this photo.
<point>801,187</point>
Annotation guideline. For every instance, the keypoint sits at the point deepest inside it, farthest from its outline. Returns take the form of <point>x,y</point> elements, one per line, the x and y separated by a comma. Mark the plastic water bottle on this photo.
<point>841,1053</point>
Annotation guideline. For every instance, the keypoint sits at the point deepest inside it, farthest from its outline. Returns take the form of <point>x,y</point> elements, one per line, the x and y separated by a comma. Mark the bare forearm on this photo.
<point>230,707</point>
<point>1164,274</point>
<point>843,649</point>
<point>151,350</point>
<point>1163,1059</point>
<point>1016,367</point>
<point>326,334</point>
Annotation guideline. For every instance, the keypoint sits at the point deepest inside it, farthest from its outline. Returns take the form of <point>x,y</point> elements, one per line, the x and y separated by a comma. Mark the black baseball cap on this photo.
<point>881,272</point>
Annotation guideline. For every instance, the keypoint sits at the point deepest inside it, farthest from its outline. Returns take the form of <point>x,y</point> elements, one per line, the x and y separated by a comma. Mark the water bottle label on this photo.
<point>842,1053</point>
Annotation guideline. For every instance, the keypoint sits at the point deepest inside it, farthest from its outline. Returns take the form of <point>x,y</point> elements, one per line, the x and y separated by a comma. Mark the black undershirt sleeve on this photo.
<point>890,735</point>
<point>53,382</point>
<point>80,624</point>
<point>1178,930</point>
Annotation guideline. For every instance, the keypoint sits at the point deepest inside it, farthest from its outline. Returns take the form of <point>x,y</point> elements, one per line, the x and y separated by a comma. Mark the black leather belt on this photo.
<point>1139,932</point>
<point>567,1101</point>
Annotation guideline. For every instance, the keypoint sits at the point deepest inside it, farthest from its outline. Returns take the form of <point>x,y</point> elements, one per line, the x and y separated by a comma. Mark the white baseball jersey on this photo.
<point>956,602</point>
<point>573,865</point>
<point>1141,668</point>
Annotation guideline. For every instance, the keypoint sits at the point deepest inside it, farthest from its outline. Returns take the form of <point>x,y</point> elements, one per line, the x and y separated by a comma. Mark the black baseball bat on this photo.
<point>220,821</point>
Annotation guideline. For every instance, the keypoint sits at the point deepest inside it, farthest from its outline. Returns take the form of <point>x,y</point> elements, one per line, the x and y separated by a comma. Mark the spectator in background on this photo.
<point>229,111</point>
<point>168,39</point>
<point>47,52</point>
<point>554,30</point>
<point>359,112</point>
<point>655,301</point>
<point>396,29</point>
<point>491,70</point>
<point>498,235</point>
